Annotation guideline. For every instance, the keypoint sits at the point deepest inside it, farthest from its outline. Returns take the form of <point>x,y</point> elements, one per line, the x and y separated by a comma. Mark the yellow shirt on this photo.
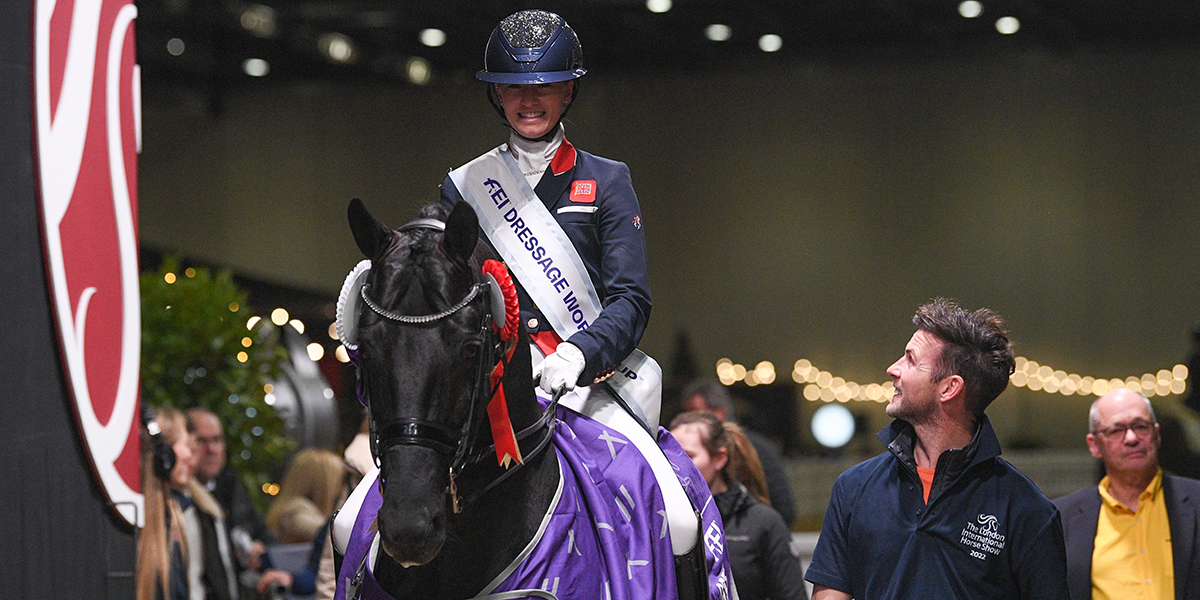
<point>1132,558</point>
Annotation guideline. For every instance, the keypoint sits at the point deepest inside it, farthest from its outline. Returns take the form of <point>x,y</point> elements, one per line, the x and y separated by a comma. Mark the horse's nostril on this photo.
<point>412,536</point>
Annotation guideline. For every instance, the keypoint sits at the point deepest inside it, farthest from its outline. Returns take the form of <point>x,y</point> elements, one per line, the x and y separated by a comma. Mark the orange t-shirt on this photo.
<point>926,480</point>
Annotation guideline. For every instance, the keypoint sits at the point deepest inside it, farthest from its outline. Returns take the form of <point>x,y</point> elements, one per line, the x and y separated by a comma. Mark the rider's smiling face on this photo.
<point>534,110</point>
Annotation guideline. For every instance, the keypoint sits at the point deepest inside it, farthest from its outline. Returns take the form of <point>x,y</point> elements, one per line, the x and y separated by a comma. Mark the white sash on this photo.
<point>538,251</point>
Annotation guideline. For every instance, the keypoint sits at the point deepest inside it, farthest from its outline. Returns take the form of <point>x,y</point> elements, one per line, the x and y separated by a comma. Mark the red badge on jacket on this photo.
<point>583,190</point>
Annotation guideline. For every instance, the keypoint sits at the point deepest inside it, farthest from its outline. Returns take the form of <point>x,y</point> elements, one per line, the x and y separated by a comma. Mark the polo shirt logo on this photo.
<point>983,536</point>
<point>988,522</point>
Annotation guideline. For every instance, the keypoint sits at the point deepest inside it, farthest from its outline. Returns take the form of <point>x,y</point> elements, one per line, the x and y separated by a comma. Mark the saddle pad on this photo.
<point>604,537</point>
<point>607,536</point>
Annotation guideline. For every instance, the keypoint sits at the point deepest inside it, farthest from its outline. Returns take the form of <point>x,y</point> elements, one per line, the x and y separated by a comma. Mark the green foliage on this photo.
<point>197,351</point>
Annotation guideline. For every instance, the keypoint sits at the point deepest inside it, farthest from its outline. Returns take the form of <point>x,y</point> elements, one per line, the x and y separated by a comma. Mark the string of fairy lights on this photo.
<point>823,386</point>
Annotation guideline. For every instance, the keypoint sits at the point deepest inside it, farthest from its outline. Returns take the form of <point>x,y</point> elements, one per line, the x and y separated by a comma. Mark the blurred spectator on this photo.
<point>358,453</point>
<point>1134,534</point>
<point>246,527</point>
<point>313,487</point>
<point>167,463</point>
<point>211,574</point>
<point>311,490</point>
<point>1193,398</point>
<point>712,396</point>
<point>1176,455</point>
<point>759,543</point>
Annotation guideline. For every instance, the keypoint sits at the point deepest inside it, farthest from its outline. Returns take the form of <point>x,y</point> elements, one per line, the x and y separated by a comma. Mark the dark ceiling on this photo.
<point>292,35</point>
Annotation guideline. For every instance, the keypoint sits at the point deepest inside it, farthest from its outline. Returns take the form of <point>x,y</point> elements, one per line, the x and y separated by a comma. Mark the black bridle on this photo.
<point>407,431</point>
<point>459,446</point>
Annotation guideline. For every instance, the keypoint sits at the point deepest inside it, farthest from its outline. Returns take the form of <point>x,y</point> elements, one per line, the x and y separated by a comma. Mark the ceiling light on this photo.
<point>417,70</point>
<point>259,20</point>
<point>770,43</point>
<point>970,9</point>
<point>658,6</point>
<point>255,67</point>
<point>1007,25</point>
<point>432,37</point>
<point>338,47</point>
<point>833,425</point>
<point>718,32</point>
<point>175,46</point>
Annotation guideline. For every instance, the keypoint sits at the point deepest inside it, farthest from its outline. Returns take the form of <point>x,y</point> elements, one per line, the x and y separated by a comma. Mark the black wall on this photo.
<point>59,540</point>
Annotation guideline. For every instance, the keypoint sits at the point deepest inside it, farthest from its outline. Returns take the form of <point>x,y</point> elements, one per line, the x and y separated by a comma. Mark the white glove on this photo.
<point>561,369</point>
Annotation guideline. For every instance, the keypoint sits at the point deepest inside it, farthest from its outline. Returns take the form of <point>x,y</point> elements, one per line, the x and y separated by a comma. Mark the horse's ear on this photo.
<point>462,233</point>
<point>371,235</point>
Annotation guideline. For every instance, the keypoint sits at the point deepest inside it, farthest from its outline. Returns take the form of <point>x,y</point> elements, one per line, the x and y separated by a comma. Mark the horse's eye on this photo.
<point>470,350</point>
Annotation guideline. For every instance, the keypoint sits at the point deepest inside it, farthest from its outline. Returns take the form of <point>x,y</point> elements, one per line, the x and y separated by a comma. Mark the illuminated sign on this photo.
<point>86,105</point>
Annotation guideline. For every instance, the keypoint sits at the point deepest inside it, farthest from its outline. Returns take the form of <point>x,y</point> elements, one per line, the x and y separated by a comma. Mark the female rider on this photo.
<point>533,63</point>
<point>568,225</point>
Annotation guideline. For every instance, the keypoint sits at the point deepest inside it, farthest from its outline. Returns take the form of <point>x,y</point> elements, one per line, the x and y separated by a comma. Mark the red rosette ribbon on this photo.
<point>507,447</point>
<point>512,309</point>
<point>505,439</point>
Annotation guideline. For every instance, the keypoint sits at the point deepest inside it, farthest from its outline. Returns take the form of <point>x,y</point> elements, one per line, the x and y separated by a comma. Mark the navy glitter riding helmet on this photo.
<point>532,47</point>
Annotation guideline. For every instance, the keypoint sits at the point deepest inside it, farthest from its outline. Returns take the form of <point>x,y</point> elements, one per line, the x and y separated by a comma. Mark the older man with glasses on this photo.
<point>246,526</point>
<point>1134,535</point>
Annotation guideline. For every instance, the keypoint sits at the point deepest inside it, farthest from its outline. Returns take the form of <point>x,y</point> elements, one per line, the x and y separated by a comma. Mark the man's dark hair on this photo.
<point>976,348</point>
<point>715,395</point>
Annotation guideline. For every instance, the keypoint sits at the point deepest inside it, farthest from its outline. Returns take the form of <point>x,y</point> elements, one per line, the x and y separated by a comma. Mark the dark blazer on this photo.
<point>1081,512</point>
<point>605,227</point>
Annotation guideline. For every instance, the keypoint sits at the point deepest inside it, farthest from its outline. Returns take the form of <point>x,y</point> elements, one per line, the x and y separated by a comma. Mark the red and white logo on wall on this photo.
<point>88,127</point>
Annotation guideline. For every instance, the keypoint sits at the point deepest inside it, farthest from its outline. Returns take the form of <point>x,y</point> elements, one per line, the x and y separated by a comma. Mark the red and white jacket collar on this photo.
<point>564,159</point>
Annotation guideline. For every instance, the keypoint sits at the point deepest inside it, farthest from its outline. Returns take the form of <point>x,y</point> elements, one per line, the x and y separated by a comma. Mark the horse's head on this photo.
<point>426,342</point>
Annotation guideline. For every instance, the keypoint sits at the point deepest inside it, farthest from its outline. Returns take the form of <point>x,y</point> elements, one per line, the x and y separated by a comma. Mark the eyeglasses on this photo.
<point>1141,429</point>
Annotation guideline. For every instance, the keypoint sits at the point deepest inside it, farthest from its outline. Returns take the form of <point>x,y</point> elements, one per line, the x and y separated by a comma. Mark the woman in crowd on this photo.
<point>313,487</point>
<point>167,461</point>
<point>759,544</point>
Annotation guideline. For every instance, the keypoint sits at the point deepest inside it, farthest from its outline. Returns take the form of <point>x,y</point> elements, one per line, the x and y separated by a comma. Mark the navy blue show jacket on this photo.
<point>987,531</point>
<point>612,244</point>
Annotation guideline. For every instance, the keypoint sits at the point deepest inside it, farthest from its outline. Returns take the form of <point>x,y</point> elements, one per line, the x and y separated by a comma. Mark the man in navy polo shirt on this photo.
<point>940,514</point>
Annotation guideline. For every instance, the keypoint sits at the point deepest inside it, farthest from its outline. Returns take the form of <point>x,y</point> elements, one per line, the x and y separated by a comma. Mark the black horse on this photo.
<point>428,384</point>
<point>432,333</point>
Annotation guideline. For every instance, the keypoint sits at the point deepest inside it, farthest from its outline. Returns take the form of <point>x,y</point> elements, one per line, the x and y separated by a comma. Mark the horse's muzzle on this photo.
<point>412,546</point>
<point>412,519</point>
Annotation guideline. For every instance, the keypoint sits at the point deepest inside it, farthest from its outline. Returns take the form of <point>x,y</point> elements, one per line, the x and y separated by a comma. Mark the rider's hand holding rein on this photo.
<point>561,369</point>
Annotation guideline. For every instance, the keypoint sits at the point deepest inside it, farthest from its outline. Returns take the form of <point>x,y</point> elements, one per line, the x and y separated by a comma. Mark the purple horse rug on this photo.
<point>604,537</point>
